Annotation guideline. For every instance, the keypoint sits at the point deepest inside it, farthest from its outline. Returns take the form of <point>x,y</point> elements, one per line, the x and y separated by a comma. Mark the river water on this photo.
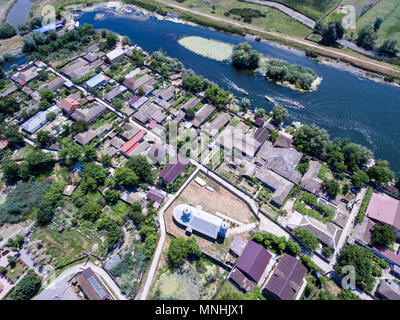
<point>346,104</point>
<point>19,12</point>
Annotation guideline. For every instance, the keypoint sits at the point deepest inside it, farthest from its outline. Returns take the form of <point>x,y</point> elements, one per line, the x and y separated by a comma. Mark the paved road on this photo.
<point>373,65</point>
<point>157,253</point>
<point>290,12</point>
<point>348,226</point>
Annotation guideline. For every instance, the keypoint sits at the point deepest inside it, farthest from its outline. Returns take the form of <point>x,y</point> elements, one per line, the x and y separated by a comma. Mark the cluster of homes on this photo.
<point>385,210</point>
<point>85,284</point>
<point>280,277</point>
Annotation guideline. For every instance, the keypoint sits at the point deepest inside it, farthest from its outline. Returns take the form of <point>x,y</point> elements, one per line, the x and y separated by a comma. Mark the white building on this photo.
<point>195,219</point>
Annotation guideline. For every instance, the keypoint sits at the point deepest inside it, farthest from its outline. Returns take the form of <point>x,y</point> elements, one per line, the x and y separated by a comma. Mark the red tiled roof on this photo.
<point>133,148</point>
<point>131,143</point>
<point>69,104</point>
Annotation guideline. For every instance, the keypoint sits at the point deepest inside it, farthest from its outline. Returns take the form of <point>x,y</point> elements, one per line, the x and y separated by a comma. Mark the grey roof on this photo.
<point>261,135</point>
<point>159,116</point>
<point>283,141</point>
<point>87,136</point>
<point>55,84</point>
<point>389,290</point>
<point>156,153</point>
<point>327,233</point>
<point>8,91</point>
<point>279,185</point>
<point>155,195</point>
<point>39,119</point>
<point>114,93</point>
<point>134,83</point>
<point>205,227</point>
<point>117,142</point>
<point>213,127</point>
<point>130,131</point>
<point>162,103</point>
<point>238,244</point>
<point>282,161</point>
<point>190,104</point>
<point>201,115</point>
<point>168,93</point>
<point>287,278</point>
<point>310,180</point>
<point>146,112</point>
<point>89,114</point>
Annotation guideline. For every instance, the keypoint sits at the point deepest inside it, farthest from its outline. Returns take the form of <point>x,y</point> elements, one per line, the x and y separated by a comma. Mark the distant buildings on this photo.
<point>199,221</point>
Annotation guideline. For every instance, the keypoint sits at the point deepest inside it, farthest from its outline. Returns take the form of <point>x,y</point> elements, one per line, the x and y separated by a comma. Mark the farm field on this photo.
<point>274,19</point>
<point>389,10</point>
<point>315,9</point>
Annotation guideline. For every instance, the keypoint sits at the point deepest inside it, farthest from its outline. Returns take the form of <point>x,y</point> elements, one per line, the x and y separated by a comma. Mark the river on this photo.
<point>347,104</point>
<point>19,12</point>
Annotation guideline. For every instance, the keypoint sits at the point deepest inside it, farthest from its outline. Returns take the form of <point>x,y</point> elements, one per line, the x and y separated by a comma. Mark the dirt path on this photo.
<point>361,62</point>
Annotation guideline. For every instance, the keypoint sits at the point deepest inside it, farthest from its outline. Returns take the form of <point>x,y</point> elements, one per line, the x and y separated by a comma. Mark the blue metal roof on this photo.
<point>95,81</point>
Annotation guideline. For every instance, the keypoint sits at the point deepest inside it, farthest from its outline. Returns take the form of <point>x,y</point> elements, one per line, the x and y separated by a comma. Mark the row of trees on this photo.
<point>330,32</point>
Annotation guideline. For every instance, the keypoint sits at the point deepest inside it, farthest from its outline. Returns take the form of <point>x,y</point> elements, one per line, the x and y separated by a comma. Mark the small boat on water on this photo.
<point>298,105</point>
<point>243,91</point>
<point>272,100</point>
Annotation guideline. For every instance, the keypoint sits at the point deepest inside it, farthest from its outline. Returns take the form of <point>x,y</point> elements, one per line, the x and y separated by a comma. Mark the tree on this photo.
<point>357,257</point>
<point>307,238</point>
<point>44,139</point>
<point>47,95</point>
<point>274,135</point>
<point>181,249</point>
<point>126,177</point>
<point>26,287</point>
<point>111,196</point>
<point>380,174</point>
<point>50,116</point>
<point>332,186</point>
<point>330,32</point>
<point>359,178</point>
<point>7,30</point>
<point>346,294</point>
<point>377,23</point>
<point>244,104</point>
<point>106,160</point>
<point>3,271</point>
<point>259,113</point>
<point>93,177</point>
<point>141,167</point>
<point>79,126</point>
<point>216,96</point>
<point>311,139</point>
<point>10,170</point>
<point>111,39</point>
<point>279,115</point>
<point>45,212</point>
<point>13,135</point>
<point>366,37</point>
<point>189,114</point>
<point>292,247</point>
<point>383,235</point>
<point>389,47</point>
<point>245,58</point>
<point>90,211</point>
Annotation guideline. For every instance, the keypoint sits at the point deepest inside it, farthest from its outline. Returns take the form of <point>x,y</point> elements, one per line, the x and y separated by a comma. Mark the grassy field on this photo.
<point>226,287</point>
<point>389,10</point>
<point>315,9</point>
<point>274,20</point>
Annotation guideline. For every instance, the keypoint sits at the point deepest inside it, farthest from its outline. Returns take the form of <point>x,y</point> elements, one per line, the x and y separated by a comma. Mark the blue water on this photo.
<point>345,104</point>
<point>18,61</point>
<point>19,12</point>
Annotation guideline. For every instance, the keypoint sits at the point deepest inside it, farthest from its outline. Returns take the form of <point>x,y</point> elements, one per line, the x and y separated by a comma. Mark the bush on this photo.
<point>364,205</point>
<point>25,288</point>
<point>181,249</point>
<point>307,238</point>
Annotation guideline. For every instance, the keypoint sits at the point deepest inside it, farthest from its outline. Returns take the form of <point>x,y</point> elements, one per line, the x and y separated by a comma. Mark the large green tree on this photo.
<point>383,235</point>
<point>307,238</point>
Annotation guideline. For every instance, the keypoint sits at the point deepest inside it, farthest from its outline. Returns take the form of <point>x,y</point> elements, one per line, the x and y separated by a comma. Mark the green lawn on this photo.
<point>118,212</point>
<point>389,10</point>
<point>275,20</point>
<point>226,287</point>
<point>315,9</point>
<point>13,274</point>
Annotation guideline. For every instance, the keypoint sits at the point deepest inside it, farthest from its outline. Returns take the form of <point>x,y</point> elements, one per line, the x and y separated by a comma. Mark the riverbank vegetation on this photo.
<point>281,71</point>
<point>212,49</point>
<point>315,9</point>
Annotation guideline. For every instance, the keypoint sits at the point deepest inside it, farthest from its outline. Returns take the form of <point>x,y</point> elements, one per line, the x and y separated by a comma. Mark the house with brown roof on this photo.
<point>55,84</point>
<point>69,105</point>
<point>287,279</point>
<point>92,287</point>
<point>89,114</point>
<point>136,82</point>
<point>250,266</point>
